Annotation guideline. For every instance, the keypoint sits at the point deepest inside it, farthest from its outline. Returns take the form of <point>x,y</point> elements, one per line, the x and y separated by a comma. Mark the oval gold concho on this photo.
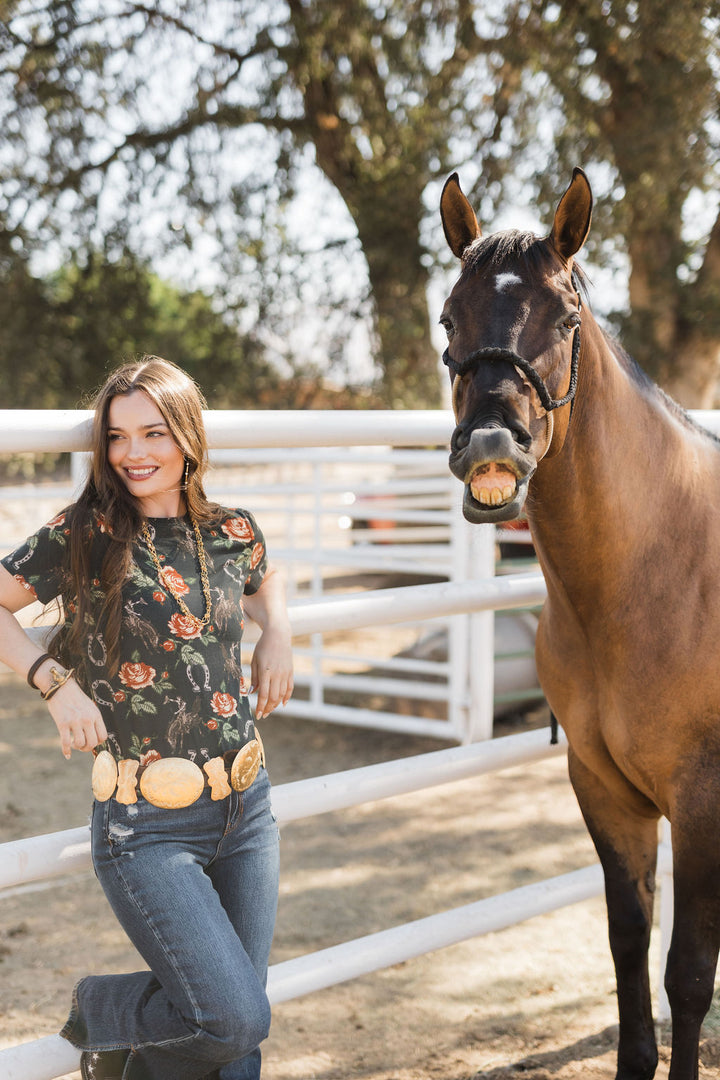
<point>104,776</point>
<point>172,783</point>
<point>246,763</point>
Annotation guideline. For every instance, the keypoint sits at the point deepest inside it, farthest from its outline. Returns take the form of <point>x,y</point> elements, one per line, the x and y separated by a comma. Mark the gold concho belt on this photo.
<point>172,783</point>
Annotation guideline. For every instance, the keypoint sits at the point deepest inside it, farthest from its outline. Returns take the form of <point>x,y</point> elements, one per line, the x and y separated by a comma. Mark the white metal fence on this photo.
<point>54,856</point>
<point>345,519</point>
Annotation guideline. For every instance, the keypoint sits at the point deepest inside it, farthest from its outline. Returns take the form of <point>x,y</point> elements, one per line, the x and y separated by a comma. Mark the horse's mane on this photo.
<point>643,380</point>
<point>535,253</point>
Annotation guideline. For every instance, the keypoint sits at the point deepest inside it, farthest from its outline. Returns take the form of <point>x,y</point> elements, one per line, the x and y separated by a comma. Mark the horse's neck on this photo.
<point>627,467</point>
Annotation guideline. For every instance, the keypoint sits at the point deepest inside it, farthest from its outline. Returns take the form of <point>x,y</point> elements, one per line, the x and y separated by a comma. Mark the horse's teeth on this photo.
<point>495,496</point>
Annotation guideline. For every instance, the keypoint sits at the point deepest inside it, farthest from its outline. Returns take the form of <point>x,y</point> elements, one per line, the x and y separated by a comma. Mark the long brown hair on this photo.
<point>105,501</point>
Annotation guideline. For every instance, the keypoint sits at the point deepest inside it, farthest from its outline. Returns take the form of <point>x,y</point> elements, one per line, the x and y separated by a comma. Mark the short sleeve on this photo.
<point>241,528</point>
<point>38,564</point>
<point>257,564</point>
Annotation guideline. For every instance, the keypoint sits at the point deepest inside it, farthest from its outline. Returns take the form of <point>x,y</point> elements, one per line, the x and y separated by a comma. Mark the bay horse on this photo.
<point>622,492</point>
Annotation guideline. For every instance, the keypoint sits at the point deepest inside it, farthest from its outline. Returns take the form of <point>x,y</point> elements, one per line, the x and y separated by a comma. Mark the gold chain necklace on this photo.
<point>167,583</point>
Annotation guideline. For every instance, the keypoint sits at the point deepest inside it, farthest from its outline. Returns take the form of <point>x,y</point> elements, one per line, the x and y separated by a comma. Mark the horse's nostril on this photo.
<point>459,441</point>
<point>522,437</point>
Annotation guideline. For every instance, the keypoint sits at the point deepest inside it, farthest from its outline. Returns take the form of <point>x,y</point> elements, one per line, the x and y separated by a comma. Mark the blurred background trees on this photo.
<point>251,187</point>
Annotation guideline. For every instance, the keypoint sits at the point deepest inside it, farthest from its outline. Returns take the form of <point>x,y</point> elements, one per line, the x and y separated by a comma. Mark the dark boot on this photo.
<point>103,1064</point>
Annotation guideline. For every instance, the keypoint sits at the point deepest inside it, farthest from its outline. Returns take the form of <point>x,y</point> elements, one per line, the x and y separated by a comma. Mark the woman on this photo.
<point>145,672</point>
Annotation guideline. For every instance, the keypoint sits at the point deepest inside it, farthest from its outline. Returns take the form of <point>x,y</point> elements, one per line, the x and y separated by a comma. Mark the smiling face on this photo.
<point>143,453</point>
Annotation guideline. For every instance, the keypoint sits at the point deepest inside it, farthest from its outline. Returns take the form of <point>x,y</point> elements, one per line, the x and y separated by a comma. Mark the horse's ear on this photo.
<point>458,217</point>
<point>572,217</point>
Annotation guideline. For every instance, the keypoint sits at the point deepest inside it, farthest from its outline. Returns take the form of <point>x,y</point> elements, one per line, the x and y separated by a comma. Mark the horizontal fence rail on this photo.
<point>38,858</point>
<point>420,601</point>
<point>56,430</point>
<point>59,430</point>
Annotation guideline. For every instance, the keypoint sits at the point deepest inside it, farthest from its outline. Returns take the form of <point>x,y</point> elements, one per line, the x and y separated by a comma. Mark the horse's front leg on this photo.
<point>626,843</point>
<point>692,960</point>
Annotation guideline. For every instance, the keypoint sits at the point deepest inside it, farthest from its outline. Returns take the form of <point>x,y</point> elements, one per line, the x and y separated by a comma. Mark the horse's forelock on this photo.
<point>501,248</point>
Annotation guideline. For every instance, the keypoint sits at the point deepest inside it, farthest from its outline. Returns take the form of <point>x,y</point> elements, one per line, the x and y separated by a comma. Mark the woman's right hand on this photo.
<point>77,718</point>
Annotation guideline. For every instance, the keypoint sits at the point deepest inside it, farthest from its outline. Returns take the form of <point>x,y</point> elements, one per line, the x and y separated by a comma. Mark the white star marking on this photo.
<point>503,281</point>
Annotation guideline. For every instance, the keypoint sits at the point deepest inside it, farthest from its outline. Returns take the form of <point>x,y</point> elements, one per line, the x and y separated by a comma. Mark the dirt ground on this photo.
<point>537,999</point>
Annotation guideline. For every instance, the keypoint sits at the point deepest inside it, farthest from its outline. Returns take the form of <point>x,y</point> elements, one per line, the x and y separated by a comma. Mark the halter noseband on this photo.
<point>495,355</point>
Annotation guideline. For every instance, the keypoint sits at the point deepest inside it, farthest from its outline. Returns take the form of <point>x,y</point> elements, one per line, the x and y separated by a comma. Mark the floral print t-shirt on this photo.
<point>179,690</point>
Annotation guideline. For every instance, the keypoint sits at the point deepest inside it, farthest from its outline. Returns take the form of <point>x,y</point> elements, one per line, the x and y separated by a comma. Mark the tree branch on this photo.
<point>262,42</point>
<point>143,139</point>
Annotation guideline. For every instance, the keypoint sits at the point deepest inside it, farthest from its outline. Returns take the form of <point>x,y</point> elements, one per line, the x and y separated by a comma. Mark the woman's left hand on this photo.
<point>272,670</point>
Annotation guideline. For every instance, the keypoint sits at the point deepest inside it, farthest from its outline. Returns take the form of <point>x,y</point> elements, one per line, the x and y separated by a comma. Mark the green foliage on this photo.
<point>60,337</point>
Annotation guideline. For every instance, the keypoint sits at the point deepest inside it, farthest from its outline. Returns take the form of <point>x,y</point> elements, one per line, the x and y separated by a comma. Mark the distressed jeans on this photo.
<point>196,891</point>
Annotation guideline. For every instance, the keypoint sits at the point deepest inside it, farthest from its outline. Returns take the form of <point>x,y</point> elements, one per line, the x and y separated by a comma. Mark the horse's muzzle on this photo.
<point>496,472</point>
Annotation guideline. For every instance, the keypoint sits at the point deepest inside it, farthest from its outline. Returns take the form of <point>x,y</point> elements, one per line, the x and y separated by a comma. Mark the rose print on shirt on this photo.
<point>183,627</point>
<point>256,556</point>
<point>238,529</point>
<point>174,582</point>
<point>223,704</point>
<point>137,676</point>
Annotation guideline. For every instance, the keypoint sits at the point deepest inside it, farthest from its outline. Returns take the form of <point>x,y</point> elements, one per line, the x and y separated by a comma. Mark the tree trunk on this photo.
<point>399,282</point>
<point>693,378</point>
<point>679,324</point>
<point>386,211</point>
<point>383,193</point>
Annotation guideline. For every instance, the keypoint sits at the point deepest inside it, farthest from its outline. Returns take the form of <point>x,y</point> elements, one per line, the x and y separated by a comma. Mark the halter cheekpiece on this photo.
<point>495,355</point>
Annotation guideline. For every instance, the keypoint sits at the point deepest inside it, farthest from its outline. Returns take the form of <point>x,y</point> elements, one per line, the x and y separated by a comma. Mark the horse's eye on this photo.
<point>571,321</point>
<point>447,325</point>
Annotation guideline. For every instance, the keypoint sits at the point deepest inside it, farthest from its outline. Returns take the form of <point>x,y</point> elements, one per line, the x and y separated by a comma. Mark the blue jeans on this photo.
<point>196,892</point>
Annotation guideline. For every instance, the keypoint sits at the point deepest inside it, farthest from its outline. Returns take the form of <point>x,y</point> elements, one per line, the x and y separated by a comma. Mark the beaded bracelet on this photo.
<point>59,678</point>
<point>34,667</point>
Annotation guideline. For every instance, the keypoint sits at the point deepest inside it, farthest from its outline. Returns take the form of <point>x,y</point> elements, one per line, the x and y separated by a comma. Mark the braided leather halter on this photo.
<point>495,355</point>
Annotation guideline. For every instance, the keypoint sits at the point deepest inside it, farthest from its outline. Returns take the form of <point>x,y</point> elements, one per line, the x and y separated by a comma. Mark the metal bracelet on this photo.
<point>59,678</point>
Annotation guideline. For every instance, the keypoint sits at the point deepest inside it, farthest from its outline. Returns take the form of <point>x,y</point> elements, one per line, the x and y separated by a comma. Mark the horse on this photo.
<point>622,492</point>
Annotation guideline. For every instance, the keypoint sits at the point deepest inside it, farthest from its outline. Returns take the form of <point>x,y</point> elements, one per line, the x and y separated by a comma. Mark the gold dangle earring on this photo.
<point>187,474</point>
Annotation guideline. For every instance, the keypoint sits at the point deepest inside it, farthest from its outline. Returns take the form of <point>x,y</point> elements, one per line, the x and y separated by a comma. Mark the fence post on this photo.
<point>458,627</point>
<point>79,465</point>
<point>471,649</point>
<point>481,665</point>
<point>317,694</point>
<point>666,914</point>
